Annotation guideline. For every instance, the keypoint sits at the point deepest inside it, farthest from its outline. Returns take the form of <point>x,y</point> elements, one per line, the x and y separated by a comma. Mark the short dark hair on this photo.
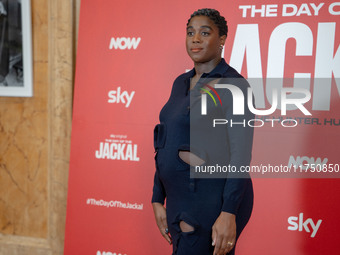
<point>215,16</point>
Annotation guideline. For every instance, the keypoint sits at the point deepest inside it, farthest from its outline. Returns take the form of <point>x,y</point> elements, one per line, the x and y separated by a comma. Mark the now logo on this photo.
<point>297,223</point>
<point>123,43</point>
<point>305,162</point>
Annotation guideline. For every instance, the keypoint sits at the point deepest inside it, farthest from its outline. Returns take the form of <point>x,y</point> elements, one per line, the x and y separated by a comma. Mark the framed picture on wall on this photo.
<point>16,77</point>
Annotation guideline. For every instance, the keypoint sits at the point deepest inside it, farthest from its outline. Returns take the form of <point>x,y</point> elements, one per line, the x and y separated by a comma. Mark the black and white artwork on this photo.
<point>15,48</point>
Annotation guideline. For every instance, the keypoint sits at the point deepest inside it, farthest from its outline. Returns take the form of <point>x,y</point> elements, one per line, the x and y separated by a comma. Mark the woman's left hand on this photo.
<point>224,233</point>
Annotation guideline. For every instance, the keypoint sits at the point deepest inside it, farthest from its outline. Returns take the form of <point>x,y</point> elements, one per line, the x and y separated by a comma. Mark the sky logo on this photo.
<point>117,96</point>
<point>297,223</point>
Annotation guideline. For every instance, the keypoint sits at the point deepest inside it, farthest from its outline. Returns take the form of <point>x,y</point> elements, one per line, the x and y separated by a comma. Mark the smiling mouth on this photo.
<point>195,50</point>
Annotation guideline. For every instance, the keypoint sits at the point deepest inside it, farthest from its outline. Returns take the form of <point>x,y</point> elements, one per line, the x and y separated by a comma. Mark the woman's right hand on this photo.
<point>160,216</point>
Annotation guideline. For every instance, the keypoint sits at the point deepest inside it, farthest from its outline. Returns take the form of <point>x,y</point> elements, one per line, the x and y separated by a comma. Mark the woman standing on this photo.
<point>203,216</point>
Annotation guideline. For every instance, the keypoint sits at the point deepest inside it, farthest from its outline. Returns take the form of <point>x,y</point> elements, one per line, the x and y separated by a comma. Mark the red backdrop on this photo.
<point>129,53</point>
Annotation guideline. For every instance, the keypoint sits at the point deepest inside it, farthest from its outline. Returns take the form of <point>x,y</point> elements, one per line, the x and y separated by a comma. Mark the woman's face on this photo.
<point>203,41</point>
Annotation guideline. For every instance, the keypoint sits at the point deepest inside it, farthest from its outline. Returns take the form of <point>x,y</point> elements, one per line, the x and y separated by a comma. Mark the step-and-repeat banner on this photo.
<point>130,52</point>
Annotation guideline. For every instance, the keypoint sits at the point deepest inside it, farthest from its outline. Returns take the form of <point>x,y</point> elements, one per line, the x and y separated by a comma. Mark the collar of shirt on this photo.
<point>217,72</point>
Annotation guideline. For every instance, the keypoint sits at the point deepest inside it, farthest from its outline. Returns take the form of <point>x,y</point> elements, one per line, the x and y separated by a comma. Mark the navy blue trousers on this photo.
<point>197,202</point>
